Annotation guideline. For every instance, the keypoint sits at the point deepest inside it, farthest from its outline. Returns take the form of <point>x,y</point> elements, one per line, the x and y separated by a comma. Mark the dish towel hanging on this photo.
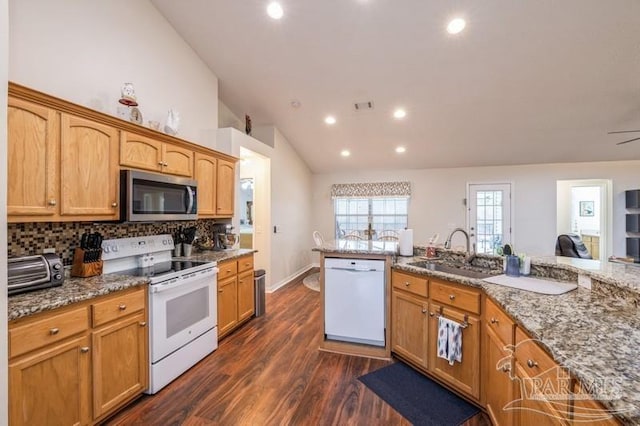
<point>449,340</point>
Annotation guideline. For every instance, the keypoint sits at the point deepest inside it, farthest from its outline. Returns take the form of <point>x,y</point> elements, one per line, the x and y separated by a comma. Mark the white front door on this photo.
<point>489,210</point>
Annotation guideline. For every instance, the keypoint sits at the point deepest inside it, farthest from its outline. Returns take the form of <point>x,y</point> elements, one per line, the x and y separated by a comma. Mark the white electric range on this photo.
<point>182,303</point>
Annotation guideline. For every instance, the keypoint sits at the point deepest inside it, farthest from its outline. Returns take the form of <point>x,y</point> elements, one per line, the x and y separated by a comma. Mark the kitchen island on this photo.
<point>592,333</point>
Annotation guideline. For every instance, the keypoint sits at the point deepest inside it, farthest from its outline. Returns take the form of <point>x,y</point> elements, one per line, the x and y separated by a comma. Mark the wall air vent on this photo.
<point>363,106</point>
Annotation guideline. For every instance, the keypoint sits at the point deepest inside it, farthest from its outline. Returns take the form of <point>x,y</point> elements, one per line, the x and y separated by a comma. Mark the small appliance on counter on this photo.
<point>30,273</point>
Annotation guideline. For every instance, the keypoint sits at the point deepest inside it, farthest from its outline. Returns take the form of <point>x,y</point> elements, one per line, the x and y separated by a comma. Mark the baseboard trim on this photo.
<point>291,278</point>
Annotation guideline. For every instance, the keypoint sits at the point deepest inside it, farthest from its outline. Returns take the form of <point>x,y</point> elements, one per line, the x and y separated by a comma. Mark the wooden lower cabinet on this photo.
<point>499,386</point>
<point>120,361</point>
<point>236,294</point>
<point>227,305</point>
<point>61,371</point>
<point>463,376</point>
<point>410,327</point>
<point>589,411</point>
<point>246,295</point>
<point>531,411</point>
<point>52,386</point>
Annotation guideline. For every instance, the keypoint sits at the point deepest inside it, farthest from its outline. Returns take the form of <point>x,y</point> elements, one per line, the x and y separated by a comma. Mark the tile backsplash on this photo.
<point>26,239</point>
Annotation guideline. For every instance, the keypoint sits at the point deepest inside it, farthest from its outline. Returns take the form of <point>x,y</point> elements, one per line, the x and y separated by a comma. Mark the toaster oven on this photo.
<point>34,273</point>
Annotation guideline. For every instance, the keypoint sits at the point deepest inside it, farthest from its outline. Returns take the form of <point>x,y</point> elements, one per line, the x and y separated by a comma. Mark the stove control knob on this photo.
<point>57,276</point>
<point>57,266</point>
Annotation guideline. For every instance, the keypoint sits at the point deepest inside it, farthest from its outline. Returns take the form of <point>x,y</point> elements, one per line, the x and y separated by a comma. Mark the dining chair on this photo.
<point>318,239</point>
<point>352,237</point>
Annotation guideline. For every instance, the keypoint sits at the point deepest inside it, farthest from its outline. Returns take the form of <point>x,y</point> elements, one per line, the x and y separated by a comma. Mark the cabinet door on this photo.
<point>409,327</point>
<point>177,160</point>
<point>120,363</point>
<point>89,176</point>
<point>51,387</point>
<point>227,305</point>
<point>140,152</point>
<point>533,411</point>
<point>205,174</point>
<point>32,162</point>
<point>225,187</point>
<point>499,385</point>
<point>465,375</point>
<point>246,292</point>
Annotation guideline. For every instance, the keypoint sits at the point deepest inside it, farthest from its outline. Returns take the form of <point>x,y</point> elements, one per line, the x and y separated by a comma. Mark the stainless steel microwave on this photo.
<point>148,197</point>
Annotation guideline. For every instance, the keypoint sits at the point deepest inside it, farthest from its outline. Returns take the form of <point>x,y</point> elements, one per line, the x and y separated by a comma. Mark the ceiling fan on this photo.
<point>626,131</point>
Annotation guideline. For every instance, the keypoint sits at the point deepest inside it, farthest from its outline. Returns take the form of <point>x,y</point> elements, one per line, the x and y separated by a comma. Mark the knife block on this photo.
<point>82,269</point>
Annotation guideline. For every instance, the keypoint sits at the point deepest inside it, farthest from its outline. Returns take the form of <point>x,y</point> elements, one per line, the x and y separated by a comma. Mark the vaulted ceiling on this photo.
<point>528,81</point>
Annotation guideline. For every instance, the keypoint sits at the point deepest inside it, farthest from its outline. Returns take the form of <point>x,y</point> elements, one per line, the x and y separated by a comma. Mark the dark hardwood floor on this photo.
<point>270,372</point>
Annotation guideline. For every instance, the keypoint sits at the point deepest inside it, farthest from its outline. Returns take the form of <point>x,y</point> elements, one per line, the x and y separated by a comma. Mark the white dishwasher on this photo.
<point>354,302</point>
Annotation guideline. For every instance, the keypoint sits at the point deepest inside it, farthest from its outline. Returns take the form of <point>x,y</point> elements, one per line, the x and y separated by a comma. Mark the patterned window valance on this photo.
<point>376,189</point>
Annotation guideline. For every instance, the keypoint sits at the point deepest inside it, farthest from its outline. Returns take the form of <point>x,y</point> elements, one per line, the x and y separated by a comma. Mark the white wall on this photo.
<point>83,51</point>
<point>4,70</point>
<point>437,194</point>
<point>291,210</point>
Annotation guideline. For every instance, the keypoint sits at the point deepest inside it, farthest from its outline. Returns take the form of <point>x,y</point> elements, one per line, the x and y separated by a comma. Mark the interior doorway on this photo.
<point>584,207</point>
<point>253,205</point>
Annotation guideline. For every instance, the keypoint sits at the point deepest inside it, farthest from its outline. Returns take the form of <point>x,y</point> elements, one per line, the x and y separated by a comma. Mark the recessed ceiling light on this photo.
<point>295,104</point>
<point>456,25</point>
<point>399,113</point>
<point>330,120</point>
<point>275,10</point>
<point>345,153</point>
<point>400,149</point>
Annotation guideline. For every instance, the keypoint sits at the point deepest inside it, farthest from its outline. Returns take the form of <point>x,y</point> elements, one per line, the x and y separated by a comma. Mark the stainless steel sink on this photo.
<point>438,267</point>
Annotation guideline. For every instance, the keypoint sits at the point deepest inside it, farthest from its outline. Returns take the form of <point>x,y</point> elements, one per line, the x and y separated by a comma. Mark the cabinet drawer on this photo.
<point>117,306</point>
<point>453,295</point>
<point>499,322</point>
<point>227,269</point>
<point>245,263</point>
<point>55,327</point>
<point>410,283</point>
<point>531,356</point>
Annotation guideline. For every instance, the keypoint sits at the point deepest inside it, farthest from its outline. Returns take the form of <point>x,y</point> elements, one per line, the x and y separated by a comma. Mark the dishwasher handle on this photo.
<point>354,269</point>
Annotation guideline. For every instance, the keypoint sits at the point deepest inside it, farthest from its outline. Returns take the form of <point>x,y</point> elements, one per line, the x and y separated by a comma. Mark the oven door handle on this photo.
<point>180,282</point>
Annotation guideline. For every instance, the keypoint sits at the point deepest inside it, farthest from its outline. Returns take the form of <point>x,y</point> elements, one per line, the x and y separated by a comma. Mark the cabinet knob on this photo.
<point>114,204</point>
<point>531,363</point>
<point>406,283</point>
<point>160,163</point>
<point>54,331</point>
<point>165,164</point>
<point>493,320</point>
<point>452,296</point>
<point>122,307</point>
<point>506,368</point>
<point>220,291</point>
<point>84,349</point>
<point>431,314</point>
<point>142,323</point>
<point>424,310</point>
<point>52,202</point>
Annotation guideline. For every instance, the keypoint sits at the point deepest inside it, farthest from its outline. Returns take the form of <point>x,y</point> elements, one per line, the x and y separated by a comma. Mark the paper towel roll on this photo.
<point>406,242</point>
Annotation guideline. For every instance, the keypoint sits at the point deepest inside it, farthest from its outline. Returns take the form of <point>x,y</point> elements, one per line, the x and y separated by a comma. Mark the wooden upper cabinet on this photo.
<point>140,152</point>
<point>225,187</point>
<point>89,172</point>
<point>32,163</point>
<point>205,174</point>
<point>177,160</point>
<point>144,153</point>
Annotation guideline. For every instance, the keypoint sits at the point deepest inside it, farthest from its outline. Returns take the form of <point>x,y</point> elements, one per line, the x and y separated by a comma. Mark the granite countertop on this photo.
<point>592,334</point>
<point>384,248</point>
<point>75,290</point>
